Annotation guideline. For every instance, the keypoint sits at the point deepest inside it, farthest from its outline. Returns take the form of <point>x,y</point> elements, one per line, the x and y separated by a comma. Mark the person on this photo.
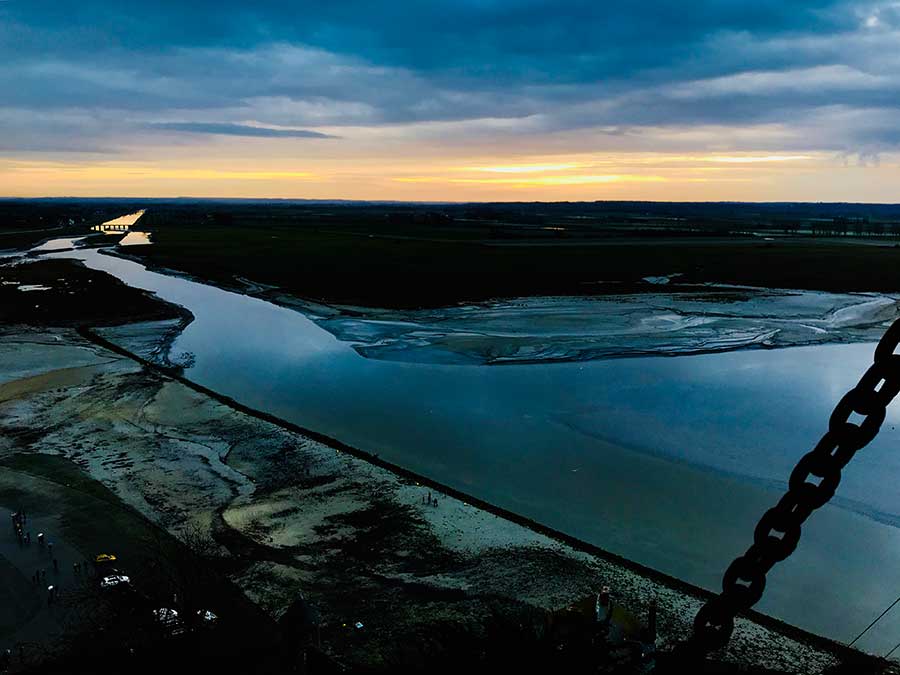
<point>651,622</point>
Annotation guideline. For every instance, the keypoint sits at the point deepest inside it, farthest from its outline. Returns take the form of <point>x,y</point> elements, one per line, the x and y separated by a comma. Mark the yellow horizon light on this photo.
<point>539,181</point>
<point>526,168</point>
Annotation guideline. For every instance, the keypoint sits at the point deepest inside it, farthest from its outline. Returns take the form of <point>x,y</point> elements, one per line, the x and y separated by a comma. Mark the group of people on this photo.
<point>19,521</point>
<point>431,501</point>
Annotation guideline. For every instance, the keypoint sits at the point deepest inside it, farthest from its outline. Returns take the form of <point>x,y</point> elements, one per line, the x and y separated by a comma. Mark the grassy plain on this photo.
<point>419,255</point>
<point>378,269</point>
<point>64,292</point>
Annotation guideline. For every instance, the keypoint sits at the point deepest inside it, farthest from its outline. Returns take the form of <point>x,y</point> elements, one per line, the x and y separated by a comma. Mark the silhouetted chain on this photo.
<point>778,532</point>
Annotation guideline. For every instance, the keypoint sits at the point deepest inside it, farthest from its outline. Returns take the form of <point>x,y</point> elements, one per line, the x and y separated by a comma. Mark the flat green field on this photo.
<point>377,269</point>
<point>408,255</point>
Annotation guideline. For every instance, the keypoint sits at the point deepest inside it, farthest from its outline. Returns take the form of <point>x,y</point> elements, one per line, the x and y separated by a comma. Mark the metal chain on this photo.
<point>778,532</point>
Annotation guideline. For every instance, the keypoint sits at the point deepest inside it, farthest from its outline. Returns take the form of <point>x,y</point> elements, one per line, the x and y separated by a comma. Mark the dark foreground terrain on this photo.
<point>312,558</point>
<point>61,293</point>
<point>25,222</point>
<point>399,255</point>
<point>395,256</point>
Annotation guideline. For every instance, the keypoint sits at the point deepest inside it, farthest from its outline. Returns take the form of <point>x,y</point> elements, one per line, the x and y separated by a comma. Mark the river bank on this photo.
<point>702,320</point>
<point>307,521</point>
<point>647,318</point>
<point>635,455</point>
<point>310,524</point>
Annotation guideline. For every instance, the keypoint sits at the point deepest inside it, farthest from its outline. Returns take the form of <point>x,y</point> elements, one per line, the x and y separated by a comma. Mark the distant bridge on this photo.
<point>120,224</point>
<point>111,228</point>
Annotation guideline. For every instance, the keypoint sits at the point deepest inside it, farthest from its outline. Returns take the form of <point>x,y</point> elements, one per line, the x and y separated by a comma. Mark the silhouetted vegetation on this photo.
<point>63,292</point>
<point>24,223</point>
<point>430,255</point>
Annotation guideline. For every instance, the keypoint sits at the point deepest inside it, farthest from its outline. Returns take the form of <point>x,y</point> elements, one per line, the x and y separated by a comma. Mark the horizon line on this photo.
<point>338,200</point>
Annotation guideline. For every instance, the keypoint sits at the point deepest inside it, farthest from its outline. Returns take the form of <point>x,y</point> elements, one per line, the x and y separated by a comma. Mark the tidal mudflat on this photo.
<point>707,319</point>
<point>304,522</point>
<point>666,461</point>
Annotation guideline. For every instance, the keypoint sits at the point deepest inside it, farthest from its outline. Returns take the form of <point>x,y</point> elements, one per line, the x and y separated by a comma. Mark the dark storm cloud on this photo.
<point>557,40</point>
<point>529,40</point>
<point>561,64</point>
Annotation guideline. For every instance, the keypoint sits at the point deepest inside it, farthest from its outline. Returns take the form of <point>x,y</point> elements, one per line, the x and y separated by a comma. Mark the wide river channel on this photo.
<point>666,461</point>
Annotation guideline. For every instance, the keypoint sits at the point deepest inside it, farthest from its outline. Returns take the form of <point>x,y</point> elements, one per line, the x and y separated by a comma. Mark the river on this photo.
<point>666,461</point>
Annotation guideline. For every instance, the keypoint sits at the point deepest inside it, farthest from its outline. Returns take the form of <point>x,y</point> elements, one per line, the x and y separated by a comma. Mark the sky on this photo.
<point>452,100</point>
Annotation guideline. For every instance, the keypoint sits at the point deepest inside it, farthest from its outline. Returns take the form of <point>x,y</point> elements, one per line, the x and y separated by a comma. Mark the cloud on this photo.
<point>529,40</point>
<point>452,71</point>
<point>228,129</point>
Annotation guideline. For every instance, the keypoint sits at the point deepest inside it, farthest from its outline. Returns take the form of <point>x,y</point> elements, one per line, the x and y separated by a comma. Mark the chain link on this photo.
<point>812,484</point>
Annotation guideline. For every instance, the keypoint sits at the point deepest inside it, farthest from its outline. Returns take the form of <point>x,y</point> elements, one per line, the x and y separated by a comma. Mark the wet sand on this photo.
<point>700,319</point>
<point>307,520</point>
<point>637,456</point>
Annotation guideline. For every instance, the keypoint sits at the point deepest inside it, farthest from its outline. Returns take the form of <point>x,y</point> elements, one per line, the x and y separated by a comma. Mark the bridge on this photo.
<point>120,224</point>
<point>108,227</point>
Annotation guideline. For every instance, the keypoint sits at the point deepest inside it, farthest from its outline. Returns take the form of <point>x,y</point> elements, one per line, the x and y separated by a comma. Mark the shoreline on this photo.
<point>299,304</point>
<point>183,456</point>
<point>306,306</point>
<point>788,630</point>
<point>373,460</point>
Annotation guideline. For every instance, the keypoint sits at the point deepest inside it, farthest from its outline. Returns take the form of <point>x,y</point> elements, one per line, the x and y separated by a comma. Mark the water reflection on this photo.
<point>667,461</point>
<point>57,244</point>
<point>134,238</point>
<point>127,220</point>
